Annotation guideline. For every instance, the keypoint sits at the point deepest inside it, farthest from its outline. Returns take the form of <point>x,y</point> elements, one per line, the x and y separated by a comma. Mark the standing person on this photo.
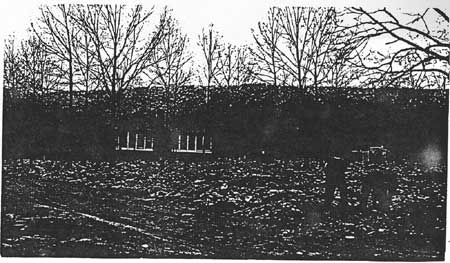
<point>335,178</point>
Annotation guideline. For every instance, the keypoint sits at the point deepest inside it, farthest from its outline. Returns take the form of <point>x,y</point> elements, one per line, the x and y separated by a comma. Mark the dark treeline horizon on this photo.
<point>242,120</point>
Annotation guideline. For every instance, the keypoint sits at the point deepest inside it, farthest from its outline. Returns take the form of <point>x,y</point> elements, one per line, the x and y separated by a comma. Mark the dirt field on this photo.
<point>226,208</point>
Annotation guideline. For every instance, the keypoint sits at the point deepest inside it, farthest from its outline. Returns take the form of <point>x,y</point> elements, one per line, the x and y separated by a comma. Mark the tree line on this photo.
<point>115,48</point>
<point>112,61</point>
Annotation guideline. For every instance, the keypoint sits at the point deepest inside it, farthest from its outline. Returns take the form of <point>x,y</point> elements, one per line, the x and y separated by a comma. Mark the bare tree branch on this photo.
<point>416,50</point>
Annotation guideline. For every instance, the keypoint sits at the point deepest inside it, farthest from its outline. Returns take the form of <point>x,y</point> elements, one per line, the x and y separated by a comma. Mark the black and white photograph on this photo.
<point>219,130</point>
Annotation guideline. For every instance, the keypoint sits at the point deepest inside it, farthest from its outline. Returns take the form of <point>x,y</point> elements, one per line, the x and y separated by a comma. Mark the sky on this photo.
<point>232,18</point>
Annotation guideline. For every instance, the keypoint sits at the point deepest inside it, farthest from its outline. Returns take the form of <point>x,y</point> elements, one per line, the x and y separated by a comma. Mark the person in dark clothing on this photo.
<point>335,178</point>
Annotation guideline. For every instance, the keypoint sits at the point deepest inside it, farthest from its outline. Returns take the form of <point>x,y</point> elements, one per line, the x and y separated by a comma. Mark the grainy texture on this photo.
<point>326,137</point>
<point>225,208</point>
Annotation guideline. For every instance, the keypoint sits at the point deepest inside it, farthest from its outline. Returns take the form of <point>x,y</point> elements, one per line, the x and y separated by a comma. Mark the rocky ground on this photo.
<point>226,208</point>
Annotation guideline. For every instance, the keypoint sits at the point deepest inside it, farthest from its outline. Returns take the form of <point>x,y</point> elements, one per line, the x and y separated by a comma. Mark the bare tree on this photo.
<point>306,47</point>
<point>342,67</point>
<point>172,59</point>
<point>172,65</point>
<point>29,70</point>
<point>295,23</point>
<point>212,48</point>
<point>419,46</point>
<point>39,69</point>
<point>338,57</point>
<point>11,66</point>
<point>86,64</point>
<point>320,48</point>
<point>314,45</point>
<point>120,47</point>
<point>235,67</point>
<point>57,32</point>
<point>265,54</point>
